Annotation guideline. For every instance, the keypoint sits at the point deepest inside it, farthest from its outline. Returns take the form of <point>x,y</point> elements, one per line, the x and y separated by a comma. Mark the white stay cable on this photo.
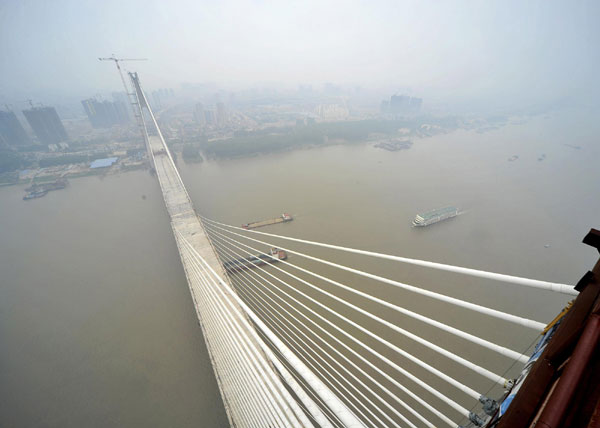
<point>513,355</point>
<point>317,385</point>
<point>263,381</point>
<point>223,376</point>
<point>284,411</point>
<point>346,359</point>
<point>464,388</point>
<point>294,344</point>
<point>468,364</point>
<point>545,285</point>
<point>419,382</point>
<point>259,380</point>
<point>536,325</point>
<point>320,417</point>
<point>269,404</point>
<point>265,390</point>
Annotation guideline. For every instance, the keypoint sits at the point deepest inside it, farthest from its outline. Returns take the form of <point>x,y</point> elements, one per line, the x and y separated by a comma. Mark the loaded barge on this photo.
<point>281,219</point>
<point>35,194</point>
<point>235,265</point>
<point>39,190</point>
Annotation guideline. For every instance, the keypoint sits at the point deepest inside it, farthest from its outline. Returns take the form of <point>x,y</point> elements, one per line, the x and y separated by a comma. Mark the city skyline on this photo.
<point>511,54</point>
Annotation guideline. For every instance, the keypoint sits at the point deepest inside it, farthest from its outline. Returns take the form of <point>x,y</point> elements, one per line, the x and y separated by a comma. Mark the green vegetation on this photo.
<point>280,139</point>
<point>101,155</point>
<point>63,160</point>
<point>191,153</point>
<point>46,178</point>
<point>97,171</point>
<point>31,148</point>
<point>69,159</point>
<point>138,150</point>
<point>8,178</point>
<point>12,161</point>
<point>125,168</point>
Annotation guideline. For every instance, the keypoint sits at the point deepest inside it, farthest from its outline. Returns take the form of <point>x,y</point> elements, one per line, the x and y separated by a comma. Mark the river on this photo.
<point>96,324</point>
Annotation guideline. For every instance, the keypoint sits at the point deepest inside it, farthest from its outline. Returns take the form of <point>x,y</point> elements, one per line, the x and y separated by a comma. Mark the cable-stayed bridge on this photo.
<point>293,346</point>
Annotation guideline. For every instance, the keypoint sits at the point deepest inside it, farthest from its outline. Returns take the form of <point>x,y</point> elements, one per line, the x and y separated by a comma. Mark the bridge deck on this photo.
<point>180,208</point>
<point>186,225</point>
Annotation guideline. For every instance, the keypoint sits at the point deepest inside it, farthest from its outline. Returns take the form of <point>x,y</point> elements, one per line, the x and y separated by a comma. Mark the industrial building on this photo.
<point>46,124</point>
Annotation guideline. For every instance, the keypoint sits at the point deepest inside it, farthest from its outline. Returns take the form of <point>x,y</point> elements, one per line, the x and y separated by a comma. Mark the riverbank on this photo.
<point>46,175</point>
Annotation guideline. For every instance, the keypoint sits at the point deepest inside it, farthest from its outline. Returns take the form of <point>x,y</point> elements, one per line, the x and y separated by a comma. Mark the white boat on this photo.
<point>434,216</point>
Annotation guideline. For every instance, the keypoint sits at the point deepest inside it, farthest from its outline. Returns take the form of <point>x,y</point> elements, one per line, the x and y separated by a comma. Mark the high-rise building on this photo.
<point>199,114</point>
<point>221,114</point>
<point>122,103</point>
<point>384,107</point>
<point>403,104</point>
<point>122,112</point>
<point>156,100</point>
<point>46,124</point>
<point>415,104</point>
<point>209,115</point>
<point>121,97</point>
<point>91,112</point>
<point>11,130</point>
<point>104,114</point>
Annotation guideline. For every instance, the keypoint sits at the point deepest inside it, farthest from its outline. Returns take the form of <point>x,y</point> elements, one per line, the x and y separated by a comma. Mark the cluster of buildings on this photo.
<point>105,114</point>
<point>44,122</point>
<point>158,97</point>
<point>401,105</point>
<point>214,118</point>
<point>332,111</point>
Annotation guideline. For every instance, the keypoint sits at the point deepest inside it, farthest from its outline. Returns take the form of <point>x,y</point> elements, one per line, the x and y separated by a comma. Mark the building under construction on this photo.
<point>46,124</point>
<point>104,114</point>
<point>11,130</point>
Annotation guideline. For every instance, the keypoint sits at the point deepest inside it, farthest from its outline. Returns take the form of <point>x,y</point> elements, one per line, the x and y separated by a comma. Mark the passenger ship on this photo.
<point>434,216</point>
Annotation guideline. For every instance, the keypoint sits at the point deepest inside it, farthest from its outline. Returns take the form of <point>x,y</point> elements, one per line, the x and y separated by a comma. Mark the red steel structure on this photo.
<point>563,386</point>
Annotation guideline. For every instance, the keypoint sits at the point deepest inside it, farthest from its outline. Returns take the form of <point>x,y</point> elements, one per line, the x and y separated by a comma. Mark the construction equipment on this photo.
<point>137,112</point>
<point>117,60</point>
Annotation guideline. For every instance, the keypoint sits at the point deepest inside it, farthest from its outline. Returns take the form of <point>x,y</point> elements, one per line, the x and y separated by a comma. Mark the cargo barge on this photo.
<point>236,265</point>
<point>434,216</point>
<point>35,194</point>
<point>39,190</point>
<point>281,219</point>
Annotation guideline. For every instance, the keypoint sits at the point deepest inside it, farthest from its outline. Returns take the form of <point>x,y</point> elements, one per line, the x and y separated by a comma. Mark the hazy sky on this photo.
<point>451,48</point>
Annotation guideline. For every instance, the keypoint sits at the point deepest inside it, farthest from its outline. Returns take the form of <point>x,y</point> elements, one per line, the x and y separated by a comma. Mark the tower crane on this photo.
<point>117,60</point>
<point>137,113</point>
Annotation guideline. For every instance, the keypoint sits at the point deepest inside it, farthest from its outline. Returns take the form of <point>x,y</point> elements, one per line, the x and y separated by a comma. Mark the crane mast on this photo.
<point>137,110</point>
